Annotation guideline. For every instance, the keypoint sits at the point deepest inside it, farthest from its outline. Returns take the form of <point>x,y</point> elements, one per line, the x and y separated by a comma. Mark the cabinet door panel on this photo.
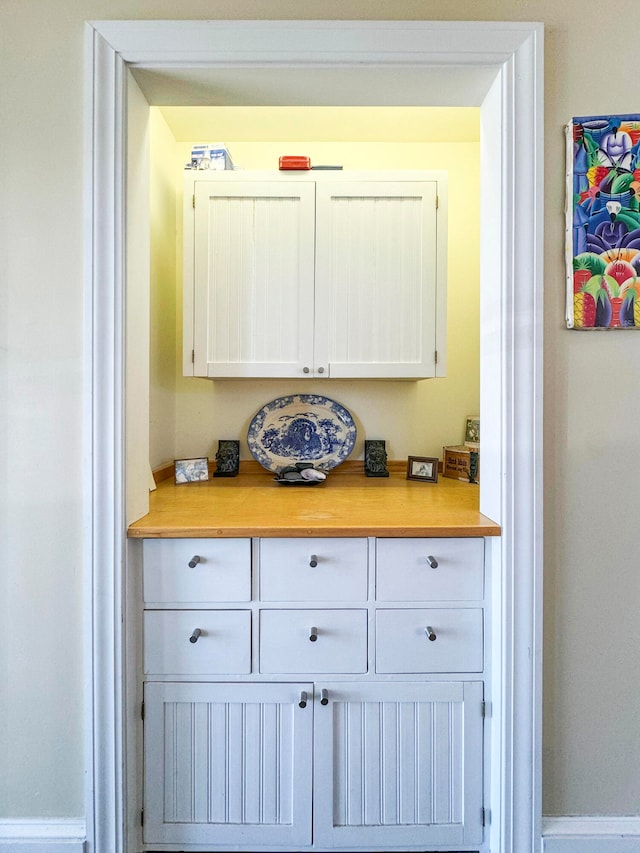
<point>404,574</point>
<point>222,644</point>
<point>286,644</point>
<point>221,570</point>
<point>227,764</point>
<point>429,640</point>
<point>398,764</point>
<point>253,270</point>
<point>376,277</point>
<point>287,572</point>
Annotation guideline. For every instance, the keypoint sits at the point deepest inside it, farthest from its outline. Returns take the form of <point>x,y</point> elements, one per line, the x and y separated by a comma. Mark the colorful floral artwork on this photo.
<point>603,222</point>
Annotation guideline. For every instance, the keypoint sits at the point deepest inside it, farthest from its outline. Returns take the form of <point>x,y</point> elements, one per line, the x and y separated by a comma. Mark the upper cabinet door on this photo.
<point>380,278</point>
<point>253,262</point>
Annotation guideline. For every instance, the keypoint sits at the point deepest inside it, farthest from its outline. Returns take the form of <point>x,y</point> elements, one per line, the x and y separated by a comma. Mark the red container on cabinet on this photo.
<point>291,163</point>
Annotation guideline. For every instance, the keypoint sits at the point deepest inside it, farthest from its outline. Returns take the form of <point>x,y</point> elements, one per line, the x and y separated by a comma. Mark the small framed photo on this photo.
<point>423,468</point>
<point>191,470</point>
<point>472,432</point>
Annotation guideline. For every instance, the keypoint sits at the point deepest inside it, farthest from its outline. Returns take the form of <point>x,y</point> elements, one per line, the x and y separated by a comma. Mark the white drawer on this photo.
<point>403,644</point>
<point>313,569</point>
<point>286,643</point>
<point>404,572</point>
<point>222,571</point>
<point>222,646</point>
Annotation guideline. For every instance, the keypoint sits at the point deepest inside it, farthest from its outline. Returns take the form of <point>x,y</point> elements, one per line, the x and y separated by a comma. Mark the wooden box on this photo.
<point>455,463</point>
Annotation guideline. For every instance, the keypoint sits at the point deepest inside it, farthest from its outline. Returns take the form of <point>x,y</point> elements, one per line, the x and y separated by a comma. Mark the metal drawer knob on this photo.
<point>193,562</point>
<point>302,702</point>
<point>321,370</point>
<point>306,370</point>
<point>432,562</point>
<point>194,637</point>
<point>313,561</point>
<point>324,696</point>
<point>313,634</point>
<point>430,633</point>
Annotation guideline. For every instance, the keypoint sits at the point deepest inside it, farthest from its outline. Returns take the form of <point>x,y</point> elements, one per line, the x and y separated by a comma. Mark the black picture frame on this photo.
<point>424,468</point>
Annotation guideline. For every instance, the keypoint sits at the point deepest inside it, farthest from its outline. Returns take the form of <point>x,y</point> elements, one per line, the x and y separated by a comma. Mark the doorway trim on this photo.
<point>511,349</point>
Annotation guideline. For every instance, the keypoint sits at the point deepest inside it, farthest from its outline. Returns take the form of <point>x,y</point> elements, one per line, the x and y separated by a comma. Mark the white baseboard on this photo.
<point>584,834</point>
<point>57,835</point>
<point>590,834</point>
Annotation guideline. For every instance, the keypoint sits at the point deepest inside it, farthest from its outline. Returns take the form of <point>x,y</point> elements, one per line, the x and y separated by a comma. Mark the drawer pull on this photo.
<point>432,562</point>
<point>430,633</point>
<point>193,562</point>
<point>324,696</point>
<point>313,562</point>
<point>302,702</point>
<point>194,637</point>
<point>313,634</point>
<point>306,370</point>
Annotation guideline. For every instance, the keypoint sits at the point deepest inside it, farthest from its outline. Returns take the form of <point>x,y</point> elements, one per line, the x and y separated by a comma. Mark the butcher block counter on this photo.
<point>346,504</point>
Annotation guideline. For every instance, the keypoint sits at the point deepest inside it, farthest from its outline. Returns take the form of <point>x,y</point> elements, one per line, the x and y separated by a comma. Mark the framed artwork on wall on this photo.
<point>603,222</point>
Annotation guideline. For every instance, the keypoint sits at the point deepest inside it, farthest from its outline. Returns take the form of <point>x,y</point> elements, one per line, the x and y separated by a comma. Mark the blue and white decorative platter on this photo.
<point>301,428</point>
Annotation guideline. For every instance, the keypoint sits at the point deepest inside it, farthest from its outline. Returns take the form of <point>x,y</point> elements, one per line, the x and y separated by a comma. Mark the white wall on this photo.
<point>592,594</point>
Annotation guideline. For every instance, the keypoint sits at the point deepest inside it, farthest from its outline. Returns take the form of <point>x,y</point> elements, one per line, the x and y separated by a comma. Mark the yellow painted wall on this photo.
<point>415,418</point>
<point>163,306</point>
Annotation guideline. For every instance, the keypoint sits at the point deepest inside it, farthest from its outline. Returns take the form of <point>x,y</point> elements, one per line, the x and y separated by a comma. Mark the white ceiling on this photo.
<point>350,86</point>
<point>391,103</point>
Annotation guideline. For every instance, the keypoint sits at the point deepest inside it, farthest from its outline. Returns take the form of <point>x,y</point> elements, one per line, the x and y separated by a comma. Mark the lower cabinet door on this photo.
<point>398,764</point>
<point>228,764</point>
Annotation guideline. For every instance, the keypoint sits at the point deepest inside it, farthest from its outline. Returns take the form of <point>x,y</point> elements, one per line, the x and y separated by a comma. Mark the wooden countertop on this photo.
<point>346,504</point>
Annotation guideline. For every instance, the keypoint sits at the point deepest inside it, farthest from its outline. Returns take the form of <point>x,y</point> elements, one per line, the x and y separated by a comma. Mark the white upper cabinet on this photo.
<point>253,278</point>
<point>326,275</point>
<point>376,278</point>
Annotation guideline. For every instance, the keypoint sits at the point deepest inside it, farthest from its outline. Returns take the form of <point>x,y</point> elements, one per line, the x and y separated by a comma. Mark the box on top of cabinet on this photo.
<point>211,155</point>
<point>456,461</point>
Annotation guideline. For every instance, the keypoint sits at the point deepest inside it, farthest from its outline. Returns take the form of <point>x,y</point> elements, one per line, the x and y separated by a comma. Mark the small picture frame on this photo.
<point>423,468</point>
<point>191,470</point>
<point>472,432</point>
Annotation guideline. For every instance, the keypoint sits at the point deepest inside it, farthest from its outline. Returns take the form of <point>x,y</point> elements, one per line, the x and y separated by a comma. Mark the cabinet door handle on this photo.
<point>302,702</point>
<point>194,636</point>
<point>324,696</point>
<point>430,633</point>
<point>313,561</point>
<point>432,562</point>
<point>321,370</point>
<point>306,370</point>
<point>313,634</point>
<point>193,562</point>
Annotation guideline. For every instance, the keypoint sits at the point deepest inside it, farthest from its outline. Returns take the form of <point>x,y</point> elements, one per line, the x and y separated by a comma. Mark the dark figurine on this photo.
<point>375,459</point>
<point>473,466</point>
<point>227,458</point>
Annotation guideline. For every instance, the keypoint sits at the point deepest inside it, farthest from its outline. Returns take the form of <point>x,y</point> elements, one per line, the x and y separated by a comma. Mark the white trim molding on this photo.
<point>42,835</point>
<point>591,834</point>
<point>511,285</point>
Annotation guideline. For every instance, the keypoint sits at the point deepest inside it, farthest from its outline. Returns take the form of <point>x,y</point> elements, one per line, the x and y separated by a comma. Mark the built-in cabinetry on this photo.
<point>315,274</point>
<point>313,693</point>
